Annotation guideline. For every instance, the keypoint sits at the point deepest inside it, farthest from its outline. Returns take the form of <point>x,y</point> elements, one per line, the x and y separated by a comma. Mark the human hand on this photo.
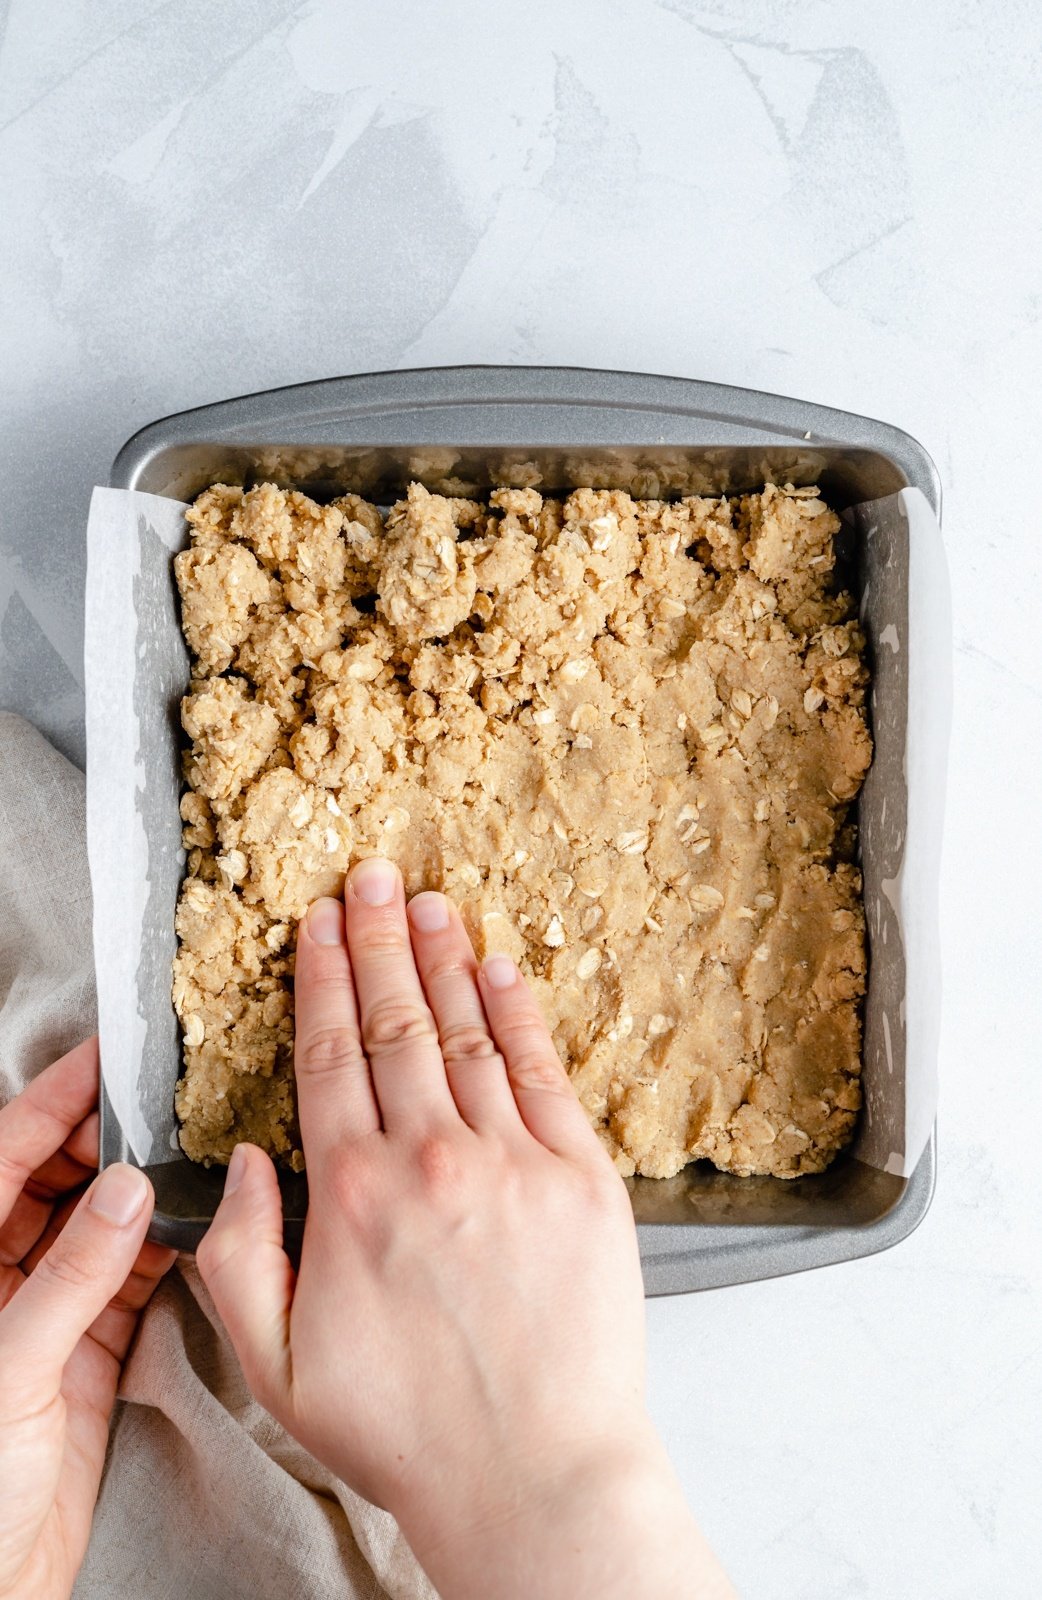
<point>464,1343</point>
<point>74,1275</point>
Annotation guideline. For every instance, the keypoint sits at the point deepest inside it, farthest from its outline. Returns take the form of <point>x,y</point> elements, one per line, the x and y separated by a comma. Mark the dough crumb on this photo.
<point>624,735</point>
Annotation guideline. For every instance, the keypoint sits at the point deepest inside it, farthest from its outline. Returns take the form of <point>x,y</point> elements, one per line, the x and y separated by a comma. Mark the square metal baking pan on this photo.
<point>460,430</point>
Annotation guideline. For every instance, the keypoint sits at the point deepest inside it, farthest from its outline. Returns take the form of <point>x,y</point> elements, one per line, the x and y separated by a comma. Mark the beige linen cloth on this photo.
<point>204,1496</point>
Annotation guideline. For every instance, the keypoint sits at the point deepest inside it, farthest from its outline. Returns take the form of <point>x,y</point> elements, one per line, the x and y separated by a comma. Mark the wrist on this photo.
<point>599,1519</point>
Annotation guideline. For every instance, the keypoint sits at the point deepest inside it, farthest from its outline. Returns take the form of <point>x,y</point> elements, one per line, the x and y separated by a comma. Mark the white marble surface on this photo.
<point>833,200</point>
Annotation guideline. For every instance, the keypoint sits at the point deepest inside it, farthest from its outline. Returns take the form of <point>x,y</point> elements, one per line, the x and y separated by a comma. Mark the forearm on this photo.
<point>618,1530</point>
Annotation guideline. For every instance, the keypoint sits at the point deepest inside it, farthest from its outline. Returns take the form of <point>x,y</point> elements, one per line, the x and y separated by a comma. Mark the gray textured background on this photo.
<point>820,197</point>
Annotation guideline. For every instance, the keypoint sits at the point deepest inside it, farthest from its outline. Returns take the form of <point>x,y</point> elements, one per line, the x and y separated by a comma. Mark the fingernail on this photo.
<point>429,912</point>
<point>499,972</point>
<point>375,880</point>
<point>326,922</point>
<point>237,1164</point>
<point>119,1193</point>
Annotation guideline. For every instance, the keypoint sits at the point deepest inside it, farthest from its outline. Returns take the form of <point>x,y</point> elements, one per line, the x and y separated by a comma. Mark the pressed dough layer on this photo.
<point>624,737</point>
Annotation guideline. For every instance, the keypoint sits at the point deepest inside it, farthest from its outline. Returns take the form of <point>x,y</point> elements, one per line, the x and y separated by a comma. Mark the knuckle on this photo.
<point>11,1169</point>
<point>328,977</point>
<point>334,1049</point>
<point>386,940</point>
<point>537,1071</point>
<point>523,1033</point>
<point>392,1022</point>
<point>124,1301</point>
<point>439,1163</point>
<point>466,1041</point>
<point>349,1178</point>
<point>448,968</point>
<point>77,1266</point>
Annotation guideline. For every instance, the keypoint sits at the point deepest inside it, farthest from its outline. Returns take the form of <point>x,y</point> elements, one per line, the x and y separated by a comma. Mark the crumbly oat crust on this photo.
<point>623,735</point>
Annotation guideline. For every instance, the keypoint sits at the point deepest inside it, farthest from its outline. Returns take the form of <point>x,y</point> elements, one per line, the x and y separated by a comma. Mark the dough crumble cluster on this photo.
<point>623,735</point>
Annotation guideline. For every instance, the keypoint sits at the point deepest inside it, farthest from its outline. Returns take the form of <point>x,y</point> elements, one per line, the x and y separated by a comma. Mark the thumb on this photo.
<point>249,1274</point>
<point>85,1267</point>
